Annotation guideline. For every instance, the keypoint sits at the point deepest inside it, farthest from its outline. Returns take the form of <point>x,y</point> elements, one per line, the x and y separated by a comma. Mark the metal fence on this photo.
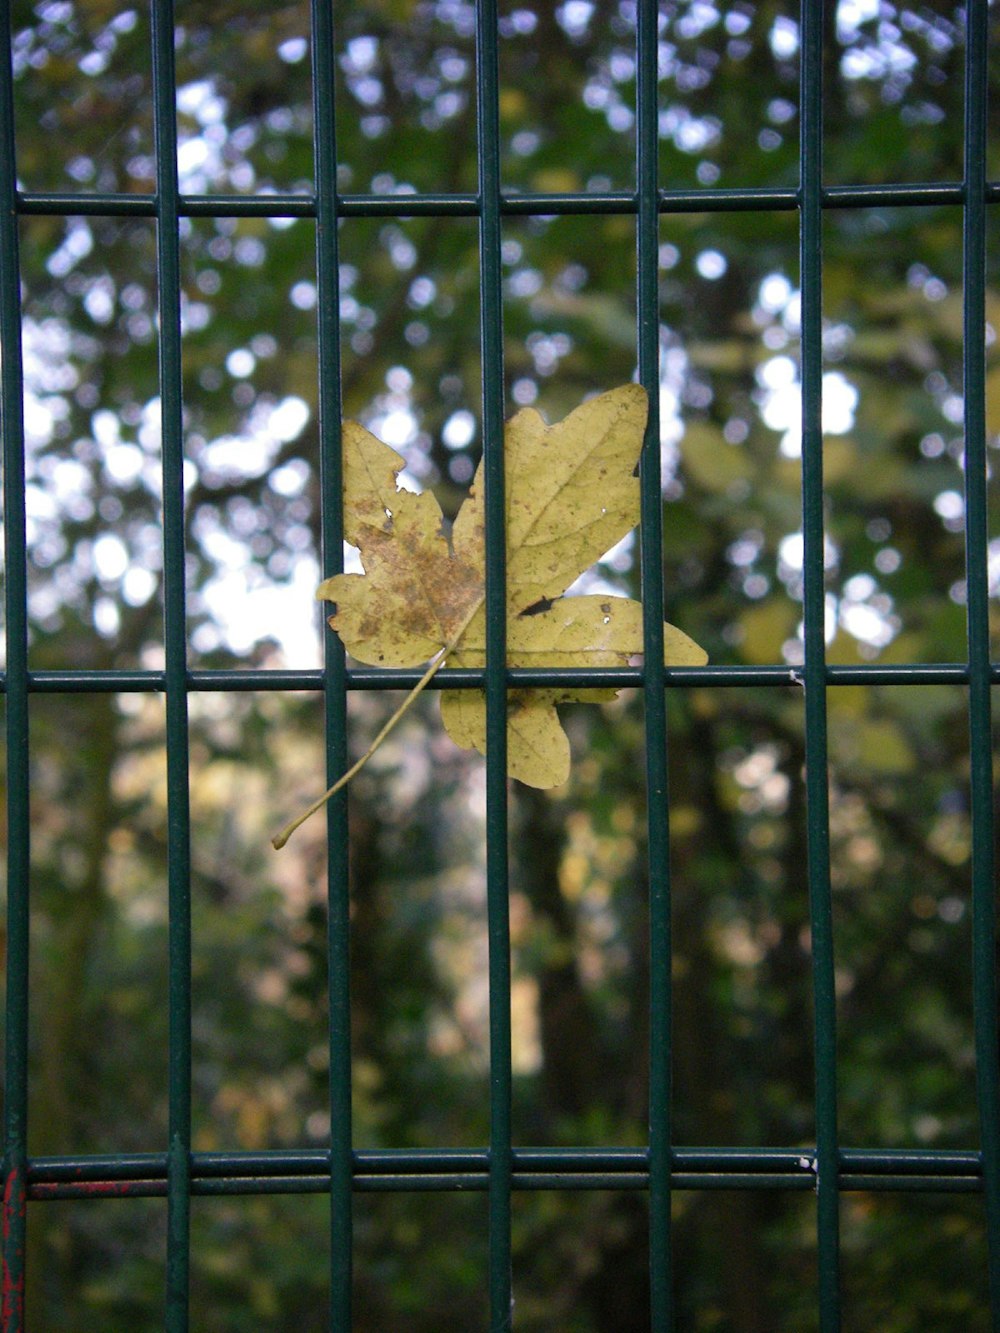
<point>659,1168</point>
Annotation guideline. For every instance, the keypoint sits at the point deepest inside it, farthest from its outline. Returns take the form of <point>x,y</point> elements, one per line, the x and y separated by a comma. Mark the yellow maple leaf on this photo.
<point>571,494</point>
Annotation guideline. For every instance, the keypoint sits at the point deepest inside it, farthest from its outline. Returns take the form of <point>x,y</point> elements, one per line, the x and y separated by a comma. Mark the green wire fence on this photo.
<point>179,1173</point>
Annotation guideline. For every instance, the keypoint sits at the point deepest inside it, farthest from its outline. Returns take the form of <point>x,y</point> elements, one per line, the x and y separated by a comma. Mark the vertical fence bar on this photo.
<point>332,540</point>
<point>16,598</point>
<point>175,650</point>
<point>651,565</point>
<point>984,916</point>
<point>814,598</point>
<point>491,305</point>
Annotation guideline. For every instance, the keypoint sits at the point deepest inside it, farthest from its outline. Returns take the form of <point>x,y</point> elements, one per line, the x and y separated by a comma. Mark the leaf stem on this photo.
<point>437,662</point>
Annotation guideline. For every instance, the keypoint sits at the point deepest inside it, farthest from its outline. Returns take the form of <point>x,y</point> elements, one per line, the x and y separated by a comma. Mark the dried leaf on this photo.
<point>571,494</point>
<point>588,630</point>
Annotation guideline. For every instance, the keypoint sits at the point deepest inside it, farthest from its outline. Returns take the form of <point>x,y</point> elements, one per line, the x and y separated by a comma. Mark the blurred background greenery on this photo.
<point>742,1060</point>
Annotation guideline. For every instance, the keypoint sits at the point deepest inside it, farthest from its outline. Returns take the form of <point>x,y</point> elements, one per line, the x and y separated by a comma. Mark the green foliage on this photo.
<point>742,1057</point>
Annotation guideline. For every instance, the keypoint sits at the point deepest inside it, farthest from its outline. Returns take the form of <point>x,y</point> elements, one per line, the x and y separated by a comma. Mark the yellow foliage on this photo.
<point>840,459</point>
<point>570,496</point>
<point>710,460</point>
<point>556,180</point>
<point>993,401</point>
<point>765,627</point>
<point>882,746</point>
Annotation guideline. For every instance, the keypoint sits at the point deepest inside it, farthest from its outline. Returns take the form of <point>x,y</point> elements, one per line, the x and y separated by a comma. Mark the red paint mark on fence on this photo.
<point>97,1189</point>
<point>12,1310</point>
<point>88,1189</point>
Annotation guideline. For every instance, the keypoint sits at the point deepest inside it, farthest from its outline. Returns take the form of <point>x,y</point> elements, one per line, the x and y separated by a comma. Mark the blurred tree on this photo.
<point>733,569</point>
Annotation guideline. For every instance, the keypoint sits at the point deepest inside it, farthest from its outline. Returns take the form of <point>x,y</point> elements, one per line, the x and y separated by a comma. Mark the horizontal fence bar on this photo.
<point>470,678</point>
<point>372,1161</point>
<point>520,1181</point>
<point>66,203</point>
<point>302,1172</point>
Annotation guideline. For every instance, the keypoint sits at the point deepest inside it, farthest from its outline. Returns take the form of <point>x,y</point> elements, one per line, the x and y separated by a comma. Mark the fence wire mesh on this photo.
<point>661,1167</point>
